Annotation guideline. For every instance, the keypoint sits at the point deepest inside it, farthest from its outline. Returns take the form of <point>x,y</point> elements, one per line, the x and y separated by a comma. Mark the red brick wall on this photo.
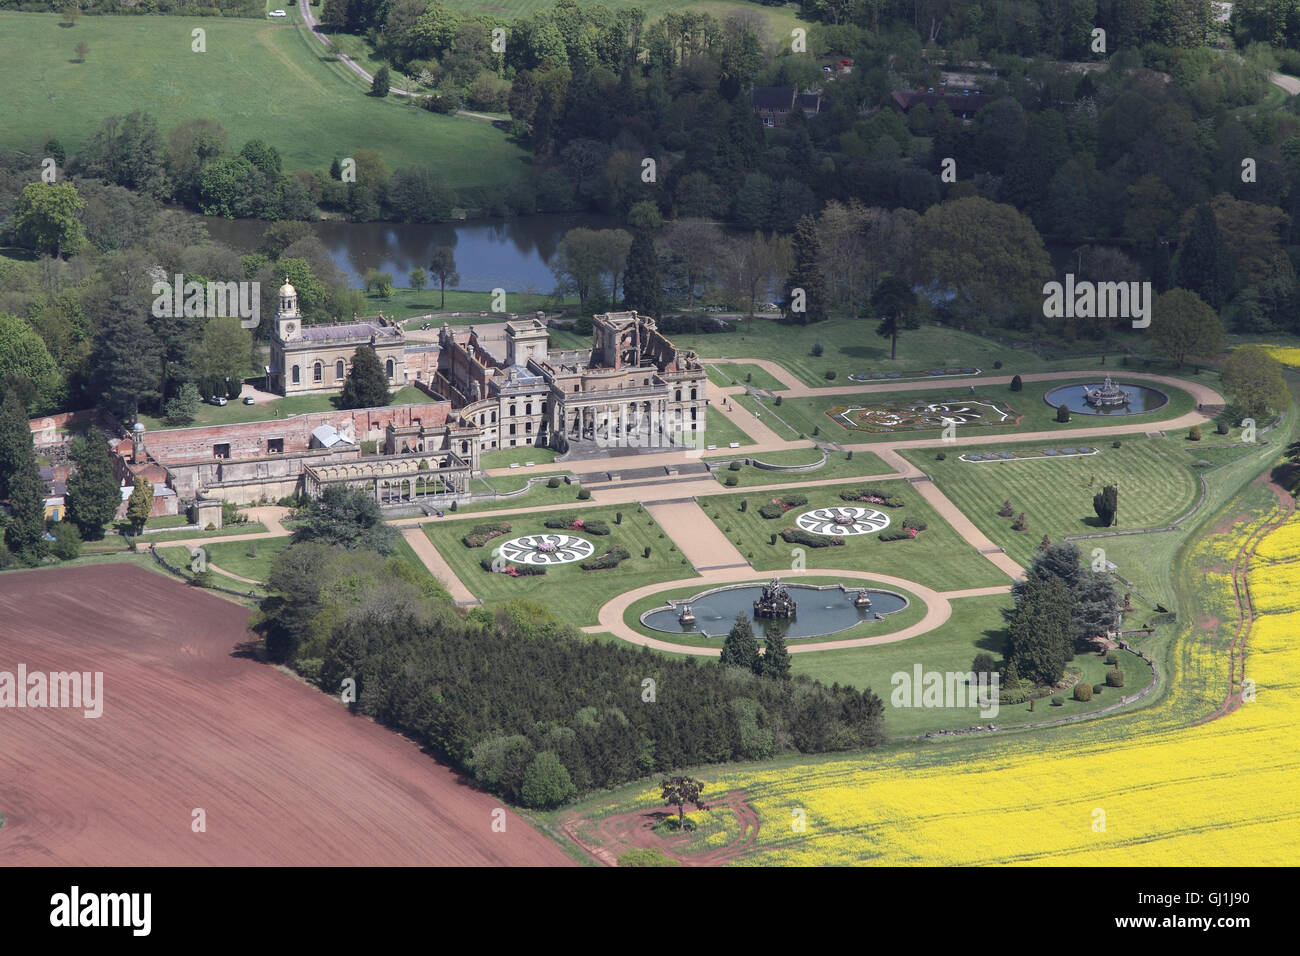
<point>249,439</point>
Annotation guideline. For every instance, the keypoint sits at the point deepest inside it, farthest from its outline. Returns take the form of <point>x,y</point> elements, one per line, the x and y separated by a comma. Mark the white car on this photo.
<point>277,13</point>
<point>218,399</point>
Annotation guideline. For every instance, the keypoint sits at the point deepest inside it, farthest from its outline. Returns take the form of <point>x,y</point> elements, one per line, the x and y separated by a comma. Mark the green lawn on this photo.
<point>733,373</point>
<point>976,626</point>
<point>253,527</point>
<point>234,556</point>
<point>258,79</point>
<point>892,622</point>
<point>807,415</point>
<point>838,465</point>
<point>722,431</point>
<point>937,558</point>
<point>505,457</point>
<point>1155,479</point>
<point>236,411</point>
<point>573,594</point>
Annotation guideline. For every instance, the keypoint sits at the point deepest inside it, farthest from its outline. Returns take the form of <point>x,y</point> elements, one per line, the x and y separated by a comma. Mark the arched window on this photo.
<point>389,366</point>
<point>679,395</point>
<point>316,372</point>
<point>297,375</point>
<point>693,391</point>
<point>338,369</point>
<point>464,447</point>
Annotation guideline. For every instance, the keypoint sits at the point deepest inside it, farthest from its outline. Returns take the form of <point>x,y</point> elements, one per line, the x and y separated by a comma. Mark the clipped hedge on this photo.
<point>481,534</point>
<point>917,523</point>
<point>1115,678</point>
<point>807,538</point>
<point>1083,692</point>
<point>782,505</point>
<point>895,534</point>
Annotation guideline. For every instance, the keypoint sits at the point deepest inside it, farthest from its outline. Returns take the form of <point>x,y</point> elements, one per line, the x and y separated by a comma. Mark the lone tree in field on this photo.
<point>679,791</point>
<point>93,494</point>
<point>740,649</point>
<point>1185,328</point>
<point>418,279</point>
<point>1106,504</point>
<point>139,504</point>
<point>381,83</point>
<point>443,268</point>
<point>366,385</point>
<point>895,303</point>
<point>82,49</point>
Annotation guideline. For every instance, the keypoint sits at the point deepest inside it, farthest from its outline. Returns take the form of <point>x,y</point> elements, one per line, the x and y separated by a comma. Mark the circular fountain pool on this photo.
<point>824,609</point>
<point>1141,399</point>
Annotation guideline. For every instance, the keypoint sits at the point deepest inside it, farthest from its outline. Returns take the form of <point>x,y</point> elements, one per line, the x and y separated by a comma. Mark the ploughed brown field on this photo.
<point>285,774</point>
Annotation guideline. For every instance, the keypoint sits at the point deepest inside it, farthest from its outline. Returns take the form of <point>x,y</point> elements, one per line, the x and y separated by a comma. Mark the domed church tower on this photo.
<point>288,323</point>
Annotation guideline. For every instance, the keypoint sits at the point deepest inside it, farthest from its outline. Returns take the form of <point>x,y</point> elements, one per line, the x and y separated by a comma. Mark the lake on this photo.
<point>511,254</point>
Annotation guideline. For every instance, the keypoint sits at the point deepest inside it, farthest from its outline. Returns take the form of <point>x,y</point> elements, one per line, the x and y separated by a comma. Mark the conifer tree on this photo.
<point>93,494</point>
<point>642,282</point>
<point>1205,263</point>
<point>776,656</point>
<point>740,649</point>
<point>15,438</point>
<point>25,533</point>
<point>366,385</point>
<point>804,299</point>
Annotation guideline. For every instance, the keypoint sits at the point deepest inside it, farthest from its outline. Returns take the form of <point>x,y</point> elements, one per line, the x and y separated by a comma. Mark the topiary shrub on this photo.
<point>1115,678</point>
<point>553,483</point>
<point>1194,433</point>
<point>1116,443</point>
<point>730,481</point>
<point>817,350</point>
<point>735,466</point>
<point>1098,688</point>
<point>1222,427</point>
<point>584,494</point>
<point>749,376</point>
<point>848,456</point>
<point>1063,413</point>
<point>1058,700</point>
<point>777,401</point>
<point>1016,383</point>
<point>647,552</point>
<point>1021,523</point>
<point>1082,692</point>
<point>830,375</point>
<point>1112,660</point>
<point>941,456</point>
<point>454,506</point>
<point>744,505</point>
<point>618,517</point>
<point>1006,511</point>
<point>997,364</point>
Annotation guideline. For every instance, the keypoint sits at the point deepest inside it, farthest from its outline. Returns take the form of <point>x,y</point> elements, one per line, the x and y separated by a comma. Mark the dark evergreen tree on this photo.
<point>25,533</point>
<point>366,385</point>
<point>15,438</point>
<point>642,281</point>
<point>895,303</point>
<point>93,494</point>
<point>804,299</point>
<point>1106,504</point>
<point>1205,263</point>
<point>1040,632</point>
<point>776,656</point>
<point>381,82</point>
<point>740,649</point>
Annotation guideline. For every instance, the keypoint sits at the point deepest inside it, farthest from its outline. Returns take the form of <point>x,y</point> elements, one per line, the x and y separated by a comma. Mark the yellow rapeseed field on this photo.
<point>1287,356</point>
<point>1140,791</point>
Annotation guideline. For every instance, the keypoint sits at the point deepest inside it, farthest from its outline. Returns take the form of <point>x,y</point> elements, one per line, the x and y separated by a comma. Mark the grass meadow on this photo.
<point>258,79</point>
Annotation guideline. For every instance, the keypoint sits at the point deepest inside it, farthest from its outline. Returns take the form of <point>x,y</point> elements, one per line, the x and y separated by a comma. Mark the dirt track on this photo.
<point>285,774</point>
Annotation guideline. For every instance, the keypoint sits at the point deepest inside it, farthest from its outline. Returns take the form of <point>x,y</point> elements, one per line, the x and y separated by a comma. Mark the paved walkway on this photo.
<point>701,541</point>
<point>937,609</point>
<point>438,566</point>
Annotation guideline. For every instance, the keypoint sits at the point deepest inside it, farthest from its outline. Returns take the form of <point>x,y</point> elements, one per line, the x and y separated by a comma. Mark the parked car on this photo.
<point>248,400</point>
<point>277,13</point>
<point>218,400</point>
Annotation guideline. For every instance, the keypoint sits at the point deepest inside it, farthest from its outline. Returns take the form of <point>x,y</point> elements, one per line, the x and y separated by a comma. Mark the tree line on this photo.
<point>522,703</point>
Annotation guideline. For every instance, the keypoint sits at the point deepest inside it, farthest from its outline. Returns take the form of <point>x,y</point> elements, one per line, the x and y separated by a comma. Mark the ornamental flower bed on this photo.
<point>514,570</point>
<point>872,495</point>
<point>779,506</point>
<point>800,536</point>
<point>610,559</point>
<point>481,534</point>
